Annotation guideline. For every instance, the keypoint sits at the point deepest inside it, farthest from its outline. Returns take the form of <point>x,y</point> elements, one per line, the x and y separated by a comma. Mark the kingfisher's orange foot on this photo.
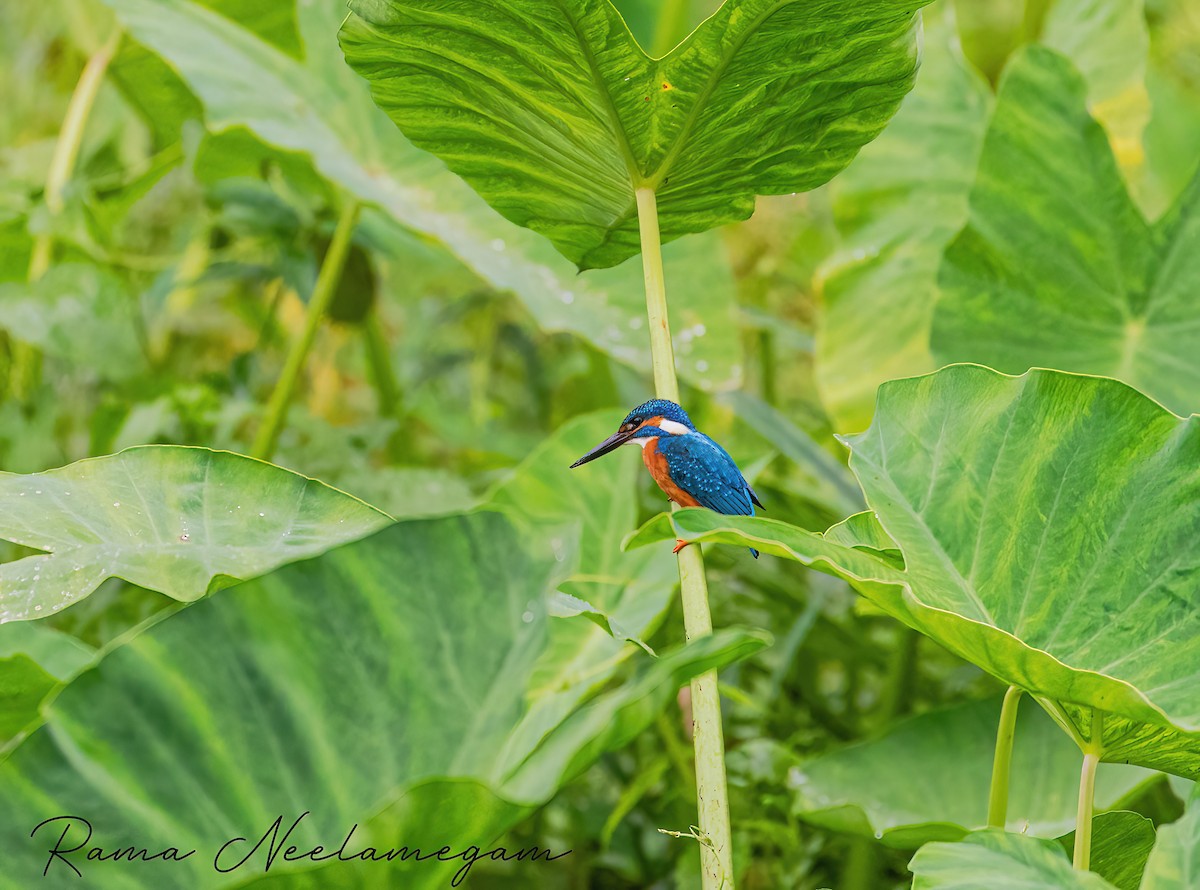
<point>680,544</point>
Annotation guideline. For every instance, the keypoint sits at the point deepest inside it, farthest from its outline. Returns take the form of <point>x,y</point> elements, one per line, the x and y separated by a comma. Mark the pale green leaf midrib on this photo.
<point>685,132</point>
<point>954,574</point>
<point>1166,237</point>
<point>1048,523</point>
<point>610,108</point>
<point>637,177</point>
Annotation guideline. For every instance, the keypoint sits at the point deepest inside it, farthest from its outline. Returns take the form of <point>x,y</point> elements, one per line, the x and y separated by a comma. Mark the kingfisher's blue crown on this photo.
<point>659,408</point>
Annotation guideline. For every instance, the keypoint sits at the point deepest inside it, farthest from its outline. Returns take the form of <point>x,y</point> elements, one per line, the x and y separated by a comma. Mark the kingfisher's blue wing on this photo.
<point>705,470</point>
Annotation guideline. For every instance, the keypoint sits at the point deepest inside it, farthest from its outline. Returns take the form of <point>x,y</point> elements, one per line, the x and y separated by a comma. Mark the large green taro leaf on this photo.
<point>599,507</point>
<point>1108,41</point>
<point>999,861</point>
<point>318,106</point>
<point>870,789</point>
<point>1047,526</point>
<point>381,684</point>
<point>568,511</point>
<point>1174,863</point>
<point>33,660</point>
<point>182,521</point>
<point>1056,266</point>
<point>555,115</point>
<point>905,196</point>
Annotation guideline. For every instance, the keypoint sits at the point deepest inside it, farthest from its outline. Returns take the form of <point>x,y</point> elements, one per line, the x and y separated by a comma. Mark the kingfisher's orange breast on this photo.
<point>656,463</point>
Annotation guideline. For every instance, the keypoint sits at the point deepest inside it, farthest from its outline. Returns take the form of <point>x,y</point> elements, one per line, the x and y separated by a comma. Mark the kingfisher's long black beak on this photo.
<point>613,442</point>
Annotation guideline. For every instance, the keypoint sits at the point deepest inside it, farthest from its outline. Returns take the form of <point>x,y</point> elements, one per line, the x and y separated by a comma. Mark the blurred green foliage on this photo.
<point>224,140</point>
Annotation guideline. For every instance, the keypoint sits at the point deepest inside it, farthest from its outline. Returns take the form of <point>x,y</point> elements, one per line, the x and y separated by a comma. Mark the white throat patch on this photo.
<point>672,427</point>
<point>642,442</point>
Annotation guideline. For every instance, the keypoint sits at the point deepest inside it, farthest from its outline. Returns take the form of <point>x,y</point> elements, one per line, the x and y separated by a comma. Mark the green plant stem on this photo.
<point>66,149</point>
<point>860,870</point>
<point>1087,791</point>
<point>379,364</point>
<point>1002,762</point>
<point>26,360</point>
<point>327,281</point>
<point>712,795</point>
<point>662,351</point>
<point>766,365</point>
<point>902,673</point>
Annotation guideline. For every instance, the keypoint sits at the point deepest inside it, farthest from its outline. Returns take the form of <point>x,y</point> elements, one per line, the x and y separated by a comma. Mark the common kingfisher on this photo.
<point>690,468</point>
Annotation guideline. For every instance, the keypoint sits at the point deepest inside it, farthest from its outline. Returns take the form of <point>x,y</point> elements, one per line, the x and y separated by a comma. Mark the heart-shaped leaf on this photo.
<point>1108,42</point>
<point>182,521</point>
<point>999,861</point>
<point>318,106</point>
<point>905,197</point>
<point>1046,526</point>
<point>629,592</point>
<point>1057,267</point>
<point>383,684</point>
<point>870,789</point>
<point>555,115</point>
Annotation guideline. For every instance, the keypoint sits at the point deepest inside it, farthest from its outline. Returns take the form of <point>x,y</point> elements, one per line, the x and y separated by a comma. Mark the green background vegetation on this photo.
<point>511,672</point>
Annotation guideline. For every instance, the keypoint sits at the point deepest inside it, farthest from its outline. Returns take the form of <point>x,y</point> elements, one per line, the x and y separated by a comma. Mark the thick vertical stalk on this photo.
<point>860,869</point>
<point>326,286</point>
<point>26,361</point>
<point>1002,762</point>
<point>716,854</point>
<point>1087,792</point>
<point>379,365</point>
<point>662,351</point>
<point>66,149</point>
<point>902,674</point>
<point>766,366</point>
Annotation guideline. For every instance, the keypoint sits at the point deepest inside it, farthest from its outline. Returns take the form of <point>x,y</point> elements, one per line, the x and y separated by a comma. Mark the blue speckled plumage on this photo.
<point>705,470</point>
<point>688,466</point>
